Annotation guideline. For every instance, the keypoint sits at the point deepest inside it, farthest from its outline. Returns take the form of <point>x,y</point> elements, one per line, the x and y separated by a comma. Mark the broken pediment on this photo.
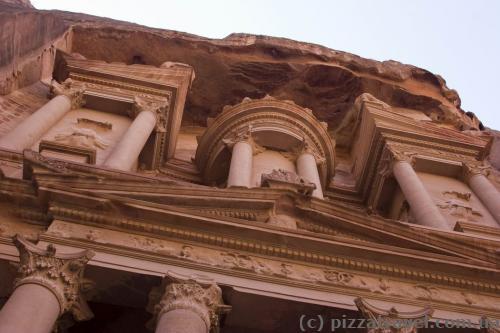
<point>120,88</point>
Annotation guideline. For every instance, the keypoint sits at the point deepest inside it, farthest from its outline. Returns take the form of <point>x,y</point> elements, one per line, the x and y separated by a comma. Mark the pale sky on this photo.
<point>458,39</point>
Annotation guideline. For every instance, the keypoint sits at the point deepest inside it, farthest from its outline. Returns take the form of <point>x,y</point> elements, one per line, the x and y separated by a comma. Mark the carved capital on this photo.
<point>158,108</point>
<point>391,320</point>
<point>60,273</point>
<point>474,169</point>
<point>304,147</point>
<point>391,156</point>
<point>287,180</point>
<point>243,135</point>
<point>67,88</point>
<point>193,293</point>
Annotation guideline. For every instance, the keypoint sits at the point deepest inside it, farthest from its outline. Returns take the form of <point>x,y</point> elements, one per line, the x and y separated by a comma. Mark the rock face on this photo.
<point>227,70</point>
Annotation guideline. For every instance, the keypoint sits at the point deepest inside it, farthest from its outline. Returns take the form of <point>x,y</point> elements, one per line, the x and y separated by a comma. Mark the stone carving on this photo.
<point>472,169</point>
<point>85,121</point>
<point>49,163</point>
<point>61,273</point>
<point>391,321</point>
<point>337,277</point>
<point>67,89</point>
<point>305,147</point>
<point>243,134</point>
<point>287,180</point>
<point>82,137</point>
<point>457,205</point>
<point>193,293</point>
<point>390,156</point>
<point>159,108</point>
<point>244,262</point>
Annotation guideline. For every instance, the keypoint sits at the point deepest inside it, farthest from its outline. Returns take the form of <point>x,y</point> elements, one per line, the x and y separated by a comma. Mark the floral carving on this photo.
<point>391,320</point>
<point>194,293</point>
<point>61,273</point>
<point>337,277</point>
<point>158,108</point>
<point>51,164</point>
<point>67,89</point>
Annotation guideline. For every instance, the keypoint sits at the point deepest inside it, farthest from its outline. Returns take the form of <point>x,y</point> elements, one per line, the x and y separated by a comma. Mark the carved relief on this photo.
<point>49,163</point>
<point>243,135</point>
<point>61,273</point>
<point>68,89</point>
<point>391,320</point>
<point>82,137</point>
<point>287,180</point>
<point>159,108</point>
<point>305,147</point>
<point>473,169</point>
<point>457,204</point>
<point>314,275</point>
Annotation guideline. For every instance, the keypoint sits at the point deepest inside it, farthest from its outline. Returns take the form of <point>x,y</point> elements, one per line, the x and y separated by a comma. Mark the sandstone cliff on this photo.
<point>227,70</point>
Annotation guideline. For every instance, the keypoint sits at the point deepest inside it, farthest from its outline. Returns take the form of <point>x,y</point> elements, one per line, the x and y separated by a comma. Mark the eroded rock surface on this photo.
<point>227,70</point>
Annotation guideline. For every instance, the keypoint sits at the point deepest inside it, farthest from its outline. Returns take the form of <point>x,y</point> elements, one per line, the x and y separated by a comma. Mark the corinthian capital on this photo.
<point>474,169</point>
<point>199,295</point>
<point>60,273</point>
<point>242,135</point>
<point>158,108</point>
<point>305,147</point>
<point>391,156</point>
<point>391,320</point>
<point>68,89</point>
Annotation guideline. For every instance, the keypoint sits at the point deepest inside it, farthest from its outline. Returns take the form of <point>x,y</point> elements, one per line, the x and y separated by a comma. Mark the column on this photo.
<point>240,169</point>
<point>47,286</point>
<point>186,304</point>
<point>307,167</point>
<point>391,320</point>
<point>484,189</point>
<point>422,206</point>
<point>30,130</point>
<point>127,150</point>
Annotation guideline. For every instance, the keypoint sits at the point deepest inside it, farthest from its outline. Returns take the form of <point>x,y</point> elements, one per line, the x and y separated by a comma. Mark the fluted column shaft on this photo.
<point>126,152</point>
<point>487,193</point>
<point>47,286</point>
<point>240,170</point>
<point>307,168</point>
<point>422,206</point>
<point>30,130</point>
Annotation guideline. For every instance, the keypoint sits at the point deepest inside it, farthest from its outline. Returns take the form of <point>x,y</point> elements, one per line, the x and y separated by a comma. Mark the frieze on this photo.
<point>273,268</point>
<point>267,249</point>
<point>287,180</point>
